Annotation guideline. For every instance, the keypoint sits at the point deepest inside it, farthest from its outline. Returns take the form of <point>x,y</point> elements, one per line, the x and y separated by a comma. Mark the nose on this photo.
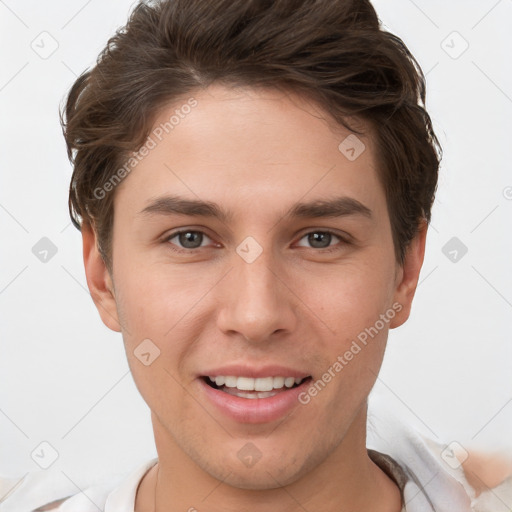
<point>256,301</point>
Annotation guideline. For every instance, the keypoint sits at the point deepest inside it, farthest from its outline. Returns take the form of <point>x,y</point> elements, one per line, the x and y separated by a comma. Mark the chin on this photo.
<point>267,473</point>
<point>258,480</point>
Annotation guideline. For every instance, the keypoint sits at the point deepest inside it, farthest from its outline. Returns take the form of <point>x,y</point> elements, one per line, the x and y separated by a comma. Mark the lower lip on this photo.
<point>255,410</point>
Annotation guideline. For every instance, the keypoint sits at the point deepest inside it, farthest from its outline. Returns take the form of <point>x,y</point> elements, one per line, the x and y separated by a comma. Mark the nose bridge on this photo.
<point>258,283</point>
<point>258,304</point>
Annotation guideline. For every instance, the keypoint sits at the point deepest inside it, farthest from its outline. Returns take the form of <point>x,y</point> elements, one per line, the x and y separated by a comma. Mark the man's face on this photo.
<point>270,283</point>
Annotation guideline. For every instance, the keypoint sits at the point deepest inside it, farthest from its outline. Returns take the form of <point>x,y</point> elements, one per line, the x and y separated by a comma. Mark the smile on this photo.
<point>253,400</point>
<point>248,387</point>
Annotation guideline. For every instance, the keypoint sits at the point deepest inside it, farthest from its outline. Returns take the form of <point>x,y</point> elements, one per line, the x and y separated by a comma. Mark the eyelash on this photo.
<point>329,249</point>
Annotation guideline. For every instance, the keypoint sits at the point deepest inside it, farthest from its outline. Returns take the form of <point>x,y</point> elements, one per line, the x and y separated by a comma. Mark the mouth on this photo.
<point>250,388</point>
<point>246,394</point>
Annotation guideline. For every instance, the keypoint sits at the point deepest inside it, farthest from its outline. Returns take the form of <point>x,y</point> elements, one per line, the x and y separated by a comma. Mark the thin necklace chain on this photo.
<point>156,483</point>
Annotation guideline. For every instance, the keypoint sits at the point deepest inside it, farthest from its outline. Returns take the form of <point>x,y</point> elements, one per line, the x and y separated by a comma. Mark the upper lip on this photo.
<point>241,370</point>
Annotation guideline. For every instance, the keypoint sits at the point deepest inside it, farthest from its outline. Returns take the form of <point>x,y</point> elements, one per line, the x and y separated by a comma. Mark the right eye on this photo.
<point>187,239</point>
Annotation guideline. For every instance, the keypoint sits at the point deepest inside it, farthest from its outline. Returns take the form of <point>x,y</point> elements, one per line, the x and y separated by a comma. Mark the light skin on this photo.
<point>256,155</point>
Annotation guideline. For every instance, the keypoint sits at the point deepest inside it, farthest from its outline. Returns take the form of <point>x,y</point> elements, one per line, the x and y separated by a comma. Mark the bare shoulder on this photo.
<point>486,470</point>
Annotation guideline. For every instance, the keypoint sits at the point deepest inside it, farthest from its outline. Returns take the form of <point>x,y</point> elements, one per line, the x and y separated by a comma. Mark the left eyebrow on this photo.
<point>338,207</point>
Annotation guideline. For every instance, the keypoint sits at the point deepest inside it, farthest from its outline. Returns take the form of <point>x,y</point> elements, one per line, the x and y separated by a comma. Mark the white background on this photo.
<point>64,376</point>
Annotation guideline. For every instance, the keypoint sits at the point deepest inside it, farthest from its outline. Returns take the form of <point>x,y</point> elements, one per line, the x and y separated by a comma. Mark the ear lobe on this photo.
<point>408,275</point>
<point>99,281</point>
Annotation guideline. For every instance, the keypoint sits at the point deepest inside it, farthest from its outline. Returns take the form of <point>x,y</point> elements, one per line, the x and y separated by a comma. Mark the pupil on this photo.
<point>190,239</point>
<point>319,240</point>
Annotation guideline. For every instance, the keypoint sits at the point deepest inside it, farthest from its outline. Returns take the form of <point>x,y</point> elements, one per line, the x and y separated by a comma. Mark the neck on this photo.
<point>346,479</point>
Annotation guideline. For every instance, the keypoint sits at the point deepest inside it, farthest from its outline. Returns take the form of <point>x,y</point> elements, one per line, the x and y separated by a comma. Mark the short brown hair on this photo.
<point>333,52</point>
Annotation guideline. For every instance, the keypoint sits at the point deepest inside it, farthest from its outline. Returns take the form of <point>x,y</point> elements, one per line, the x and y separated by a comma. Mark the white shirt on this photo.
<point>428,477</point>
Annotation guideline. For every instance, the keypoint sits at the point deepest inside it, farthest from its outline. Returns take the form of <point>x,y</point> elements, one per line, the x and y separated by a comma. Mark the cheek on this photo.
<point>157,335</point>
<point>154,299</point>
<point>163,314</point>
<point>348,299</point>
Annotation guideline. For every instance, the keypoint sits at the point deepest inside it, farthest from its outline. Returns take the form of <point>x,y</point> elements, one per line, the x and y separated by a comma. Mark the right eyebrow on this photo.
<point>170,205</point>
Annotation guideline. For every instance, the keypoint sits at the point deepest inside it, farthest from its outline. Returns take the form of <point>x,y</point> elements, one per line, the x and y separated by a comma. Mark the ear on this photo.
<point>408,274</point>
<point>99,280</point>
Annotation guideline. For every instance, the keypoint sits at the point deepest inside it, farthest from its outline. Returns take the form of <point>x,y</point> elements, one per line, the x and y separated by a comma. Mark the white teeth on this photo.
<point>230,381</point>
<point>264,384</point>
<point>261,384</point>
<point>247,384</point>
<point>252,395</point>
<point>289,382</point>
<point>278,382</point>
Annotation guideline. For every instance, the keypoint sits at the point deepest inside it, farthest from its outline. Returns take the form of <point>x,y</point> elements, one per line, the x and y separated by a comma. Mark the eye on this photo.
<point>320,239</point>
<point>188,239</point>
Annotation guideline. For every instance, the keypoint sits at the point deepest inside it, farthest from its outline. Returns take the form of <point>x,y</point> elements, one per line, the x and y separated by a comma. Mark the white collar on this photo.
<point>122,498</point>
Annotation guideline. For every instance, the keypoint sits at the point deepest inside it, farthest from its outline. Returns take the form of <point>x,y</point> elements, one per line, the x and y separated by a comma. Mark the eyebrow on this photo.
<point>337,207</point>
<point>172,205</point>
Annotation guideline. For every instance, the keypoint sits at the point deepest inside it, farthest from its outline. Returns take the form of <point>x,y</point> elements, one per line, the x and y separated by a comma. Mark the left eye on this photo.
<point>189,239</point>
<point>320,239</point>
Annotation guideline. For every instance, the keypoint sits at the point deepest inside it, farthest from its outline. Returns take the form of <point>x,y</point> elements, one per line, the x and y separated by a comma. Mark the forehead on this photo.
<point>259,147</point>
